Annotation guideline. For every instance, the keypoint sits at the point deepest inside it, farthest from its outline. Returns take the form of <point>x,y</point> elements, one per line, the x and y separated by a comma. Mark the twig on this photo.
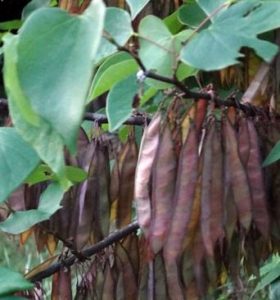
<point>102,119</point>
<point>111,239</point>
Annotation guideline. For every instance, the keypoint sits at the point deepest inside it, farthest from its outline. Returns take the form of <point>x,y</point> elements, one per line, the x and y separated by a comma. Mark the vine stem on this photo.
<point>87,253</point>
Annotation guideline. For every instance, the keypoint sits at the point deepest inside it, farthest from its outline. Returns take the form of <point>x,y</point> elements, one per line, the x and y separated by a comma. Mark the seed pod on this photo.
<point>83,213</point>
<point>243,141</point>
<point>126,270</point>
<point>101,200</point>
<point>217,185</point>
<point>256,182</point>
<point>146,158</point>
<point>164,176</point>
<point>184,196</point>
<point>61,285</point>
<point>238,177</point>
<point>201,111</point>
<point>127,177</point>
<point>206,213</point>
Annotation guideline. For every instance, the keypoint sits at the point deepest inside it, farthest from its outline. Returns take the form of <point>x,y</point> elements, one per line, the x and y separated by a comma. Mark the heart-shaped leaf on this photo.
<point>237,26</point>
<point>59,96</point>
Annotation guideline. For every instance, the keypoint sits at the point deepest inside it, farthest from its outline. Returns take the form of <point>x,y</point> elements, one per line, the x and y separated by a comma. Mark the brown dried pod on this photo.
<point>128,158</point>
<point>146,158</point>
<point>238,177</point>
<point>163,184</point>
<point>187,175</point>
<point>256,182</point>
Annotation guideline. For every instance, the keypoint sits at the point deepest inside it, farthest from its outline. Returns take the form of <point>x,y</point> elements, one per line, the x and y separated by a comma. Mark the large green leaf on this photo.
<point>17,160</point>
<point>159,48</point>
<point>49,203</point>
<point>119,101</point>
<point>113,70</point>
<point>35,130</point>
<point>11,282</point>
<point>237,26</point>
<point>56,51</point>
<point>136,6</point>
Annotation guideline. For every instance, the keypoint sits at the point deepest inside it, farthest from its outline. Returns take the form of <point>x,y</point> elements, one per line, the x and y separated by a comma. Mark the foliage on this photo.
<point>58,63</point>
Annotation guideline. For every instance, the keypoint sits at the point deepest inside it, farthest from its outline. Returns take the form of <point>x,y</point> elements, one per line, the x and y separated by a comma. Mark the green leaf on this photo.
<point>118,25</point>
<point>49,203</point>
<point>63,78</point>
<point>33,129</point>
<point>159,48</point>
<point>44,173</point>
<point>32,6</point>
<point>267,279</point>
<point>184,71</point>
<point>11,282</point>
<point>17,160</point>
<point>172,22</point>
<point>233,28</point>
<point>136,6</point>
<point>191,14</point>
<point>119,102</point>
<point>40,174</point>
<point>113,70</point>
<point>75,174</point>
<point>10,25</point>
<point>214,7</point>
<point>273,156</point>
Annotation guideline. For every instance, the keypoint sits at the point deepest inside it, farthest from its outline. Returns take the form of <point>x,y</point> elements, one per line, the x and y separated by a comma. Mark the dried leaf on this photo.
<point>25,236</point>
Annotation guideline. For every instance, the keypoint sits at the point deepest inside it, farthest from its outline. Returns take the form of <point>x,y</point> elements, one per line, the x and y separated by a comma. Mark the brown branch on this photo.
<point>87,253</point>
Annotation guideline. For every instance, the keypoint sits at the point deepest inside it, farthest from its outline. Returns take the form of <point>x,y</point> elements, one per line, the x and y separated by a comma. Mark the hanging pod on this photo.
<point>163,184</point>
<point>127,167</point>
<point>256,182</point>
<point>147,154</point>
<point>237,176</point>
<point>184,195</point>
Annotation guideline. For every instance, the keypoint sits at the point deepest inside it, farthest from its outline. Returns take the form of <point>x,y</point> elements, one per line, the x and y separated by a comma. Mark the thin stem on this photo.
<point>90,251</point>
